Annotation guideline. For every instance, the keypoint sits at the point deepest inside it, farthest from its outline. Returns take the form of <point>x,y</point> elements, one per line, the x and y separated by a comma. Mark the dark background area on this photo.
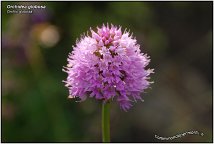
<point>178,37</point>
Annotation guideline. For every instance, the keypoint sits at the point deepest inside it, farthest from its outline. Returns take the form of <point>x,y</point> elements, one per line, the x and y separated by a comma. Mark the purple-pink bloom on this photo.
<point>107,65</point>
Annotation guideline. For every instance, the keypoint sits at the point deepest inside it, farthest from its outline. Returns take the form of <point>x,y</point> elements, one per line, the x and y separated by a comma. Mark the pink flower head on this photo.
<point>108,64</point>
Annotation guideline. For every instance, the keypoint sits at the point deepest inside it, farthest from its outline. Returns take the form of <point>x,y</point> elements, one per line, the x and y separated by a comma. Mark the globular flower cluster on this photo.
<point>107,65</point>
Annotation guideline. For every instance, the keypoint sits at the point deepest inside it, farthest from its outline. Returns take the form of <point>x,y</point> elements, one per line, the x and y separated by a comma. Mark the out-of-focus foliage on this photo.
<point>177,36</point>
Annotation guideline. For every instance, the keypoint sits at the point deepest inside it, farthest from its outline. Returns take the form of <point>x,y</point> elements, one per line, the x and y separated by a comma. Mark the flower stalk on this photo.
<point>106,122</point>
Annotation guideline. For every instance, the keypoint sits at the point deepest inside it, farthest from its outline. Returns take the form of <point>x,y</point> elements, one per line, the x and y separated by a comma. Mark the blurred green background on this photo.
<point>177,36</point>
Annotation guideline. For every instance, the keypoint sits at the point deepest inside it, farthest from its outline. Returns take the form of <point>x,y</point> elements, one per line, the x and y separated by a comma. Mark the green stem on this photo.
<point>106,121</point>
